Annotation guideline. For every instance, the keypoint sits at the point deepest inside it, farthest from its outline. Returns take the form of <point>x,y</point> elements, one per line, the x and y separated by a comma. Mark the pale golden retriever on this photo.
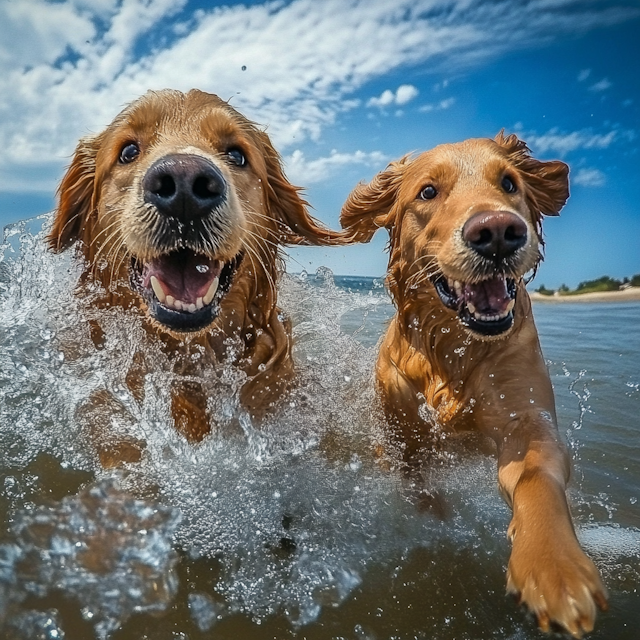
<point>180,209</point>
<point>462,351</point>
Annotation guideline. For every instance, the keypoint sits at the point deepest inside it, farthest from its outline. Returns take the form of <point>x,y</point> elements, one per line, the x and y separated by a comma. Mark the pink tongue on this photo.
<point>183,274</point>
<point>489,297</point>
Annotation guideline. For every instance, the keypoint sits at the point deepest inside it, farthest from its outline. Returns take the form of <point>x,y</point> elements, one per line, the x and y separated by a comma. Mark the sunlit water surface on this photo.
<point>296,529</point>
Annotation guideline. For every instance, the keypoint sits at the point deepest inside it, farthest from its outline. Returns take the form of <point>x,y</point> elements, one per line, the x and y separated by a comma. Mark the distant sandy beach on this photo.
<point>631,294</point>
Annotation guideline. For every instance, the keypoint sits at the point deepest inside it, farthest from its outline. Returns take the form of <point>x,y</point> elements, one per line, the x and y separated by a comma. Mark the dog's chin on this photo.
<point>485,308</point>
<point>183,289</point>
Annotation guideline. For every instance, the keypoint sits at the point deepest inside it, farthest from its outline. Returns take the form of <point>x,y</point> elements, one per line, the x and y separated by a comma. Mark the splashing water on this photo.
<point>285,521</point>
<point>113,553</point>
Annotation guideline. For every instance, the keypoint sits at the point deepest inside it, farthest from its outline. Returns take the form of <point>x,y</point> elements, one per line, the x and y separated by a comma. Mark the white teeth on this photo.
<point>512,303</point>
<point>471,307</point>
<point>488,318</point>
<point>179,305</point>
<point>458,288</point>
<point>157,289</point>
<point>208,297</point>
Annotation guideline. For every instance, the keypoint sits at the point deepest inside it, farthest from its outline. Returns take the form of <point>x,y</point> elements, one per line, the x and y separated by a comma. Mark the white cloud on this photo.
<point>563,143</point>
<point>601,85</point>
<point>589,177</point>
<point>37,32</point>
<point>386,98</point>
<point>438,106</point>
<point>403,94</point>
<point>406,93</point>
<point>583,75</point>
<point>303,171</point>
<point>66,68</point>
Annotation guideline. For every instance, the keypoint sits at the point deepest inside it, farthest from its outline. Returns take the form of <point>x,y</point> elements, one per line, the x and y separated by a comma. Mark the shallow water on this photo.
<point>296,529</point>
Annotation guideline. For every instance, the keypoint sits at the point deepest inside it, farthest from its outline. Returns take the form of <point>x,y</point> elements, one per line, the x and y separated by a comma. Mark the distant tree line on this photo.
<point>605,283</point>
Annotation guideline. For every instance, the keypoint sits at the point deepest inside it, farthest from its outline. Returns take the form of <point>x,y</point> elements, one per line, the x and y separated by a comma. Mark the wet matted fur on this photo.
<point>180,209</point>
<point>462,351</point>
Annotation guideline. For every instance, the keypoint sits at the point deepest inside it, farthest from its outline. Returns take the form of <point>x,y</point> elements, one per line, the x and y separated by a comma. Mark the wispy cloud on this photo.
<point>438,106</point>
<point>563,143</point>
<point>589,177</point>
<point>67,67</point>
<point>601,85</point>
<point>403,94</point>
<point>303,171</point>
<point>584,74</point>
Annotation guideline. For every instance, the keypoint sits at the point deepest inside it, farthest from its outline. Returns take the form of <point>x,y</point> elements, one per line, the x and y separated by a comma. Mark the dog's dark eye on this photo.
<point>237,157</point>
<point>428,193</point>
<point>129,153</point>
<point>508,185</point>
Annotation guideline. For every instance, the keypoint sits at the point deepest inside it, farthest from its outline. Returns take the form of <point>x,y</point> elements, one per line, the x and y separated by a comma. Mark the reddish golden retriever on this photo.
<point>462,349</point>
<point>180,209</point>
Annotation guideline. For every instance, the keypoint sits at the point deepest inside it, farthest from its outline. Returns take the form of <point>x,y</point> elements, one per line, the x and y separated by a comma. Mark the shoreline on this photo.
<point>632,294</point>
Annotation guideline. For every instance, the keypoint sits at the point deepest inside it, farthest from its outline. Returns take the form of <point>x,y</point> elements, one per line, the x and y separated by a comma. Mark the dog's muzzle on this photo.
<point>486,302</point>
<point>184,285</point>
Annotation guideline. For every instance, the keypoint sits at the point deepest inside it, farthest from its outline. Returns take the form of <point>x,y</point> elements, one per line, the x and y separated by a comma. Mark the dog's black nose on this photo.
<point>184,186</point>
<point>495,234</point>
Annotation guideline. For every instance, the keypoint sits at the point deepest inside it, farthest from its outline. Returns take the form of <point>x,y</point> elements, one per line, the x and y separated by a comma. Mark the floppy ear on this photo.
<point>75,195</point>
<point>547,182</point>
<point>295,226</point>
<point>371,206</point>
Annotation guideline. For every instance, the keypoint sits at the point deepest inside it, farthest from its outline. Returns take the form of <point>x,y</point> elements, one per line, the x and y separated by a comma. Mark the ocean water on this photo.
<point>296,528</point>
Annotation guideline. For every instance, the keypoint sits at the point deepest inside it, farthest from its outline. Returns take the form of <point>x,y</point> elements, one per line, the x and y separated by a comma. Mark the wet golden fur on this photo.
<point>432,372</point>
<point>101,210</point>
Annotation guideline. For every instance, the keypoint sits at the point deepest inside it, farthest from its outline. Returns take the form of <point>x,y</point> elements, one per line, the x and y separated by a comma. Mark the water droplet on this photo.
<point>202,268</point>
<point>244,67</point>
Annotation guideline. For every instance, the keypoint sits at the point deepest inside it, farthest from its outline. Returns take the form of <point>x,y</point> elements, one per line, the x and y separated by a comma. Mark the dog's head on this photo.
<point>175,197</point>
<point>465,220</point>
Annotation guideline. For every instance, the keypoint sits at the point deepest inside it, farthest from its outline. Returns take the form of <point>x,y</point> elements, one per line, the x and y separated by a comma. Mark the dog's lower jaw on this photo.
<point>484,308</point>
<point>184,317</point>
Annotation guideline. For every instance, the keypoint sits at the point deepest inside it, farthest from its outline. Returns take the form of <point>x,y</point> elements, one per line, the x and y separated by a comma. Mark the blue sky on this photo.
<point>345,86</point>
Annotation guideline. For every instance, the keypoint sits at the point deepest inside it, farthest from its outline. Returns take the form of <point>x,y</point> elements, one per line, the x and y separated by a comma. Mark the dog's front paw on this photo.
<point>555,579</point>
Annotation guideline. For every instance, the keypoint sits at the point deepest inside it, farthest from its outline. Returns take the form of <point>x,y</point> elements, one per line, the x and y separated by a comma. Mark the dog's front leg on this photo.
<point>515,406</point>
<point>548,570</point>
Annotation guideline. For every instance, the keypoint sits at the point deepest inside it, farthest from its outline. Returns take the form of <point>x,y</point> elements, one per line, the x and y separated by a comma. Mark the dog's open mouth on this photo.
<point>484,307</point>
<point>183,289</point>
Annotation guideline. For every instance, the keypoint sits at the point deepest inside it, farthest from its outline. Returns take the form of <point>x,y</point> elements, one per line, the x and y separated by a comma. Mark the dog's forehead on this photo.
<point>171,114</point>
<point>470,158</point>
